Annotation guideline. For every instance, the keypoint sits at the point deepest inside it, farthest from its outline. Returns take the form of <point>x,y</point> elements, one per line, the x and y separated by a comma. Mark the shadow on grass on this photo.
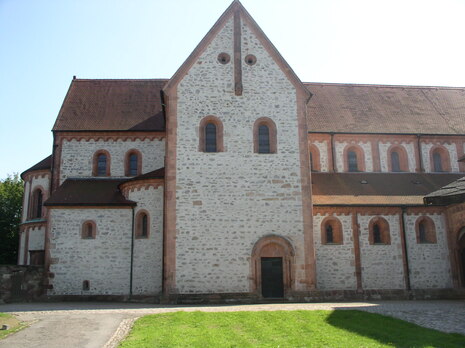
<point>390,331</point>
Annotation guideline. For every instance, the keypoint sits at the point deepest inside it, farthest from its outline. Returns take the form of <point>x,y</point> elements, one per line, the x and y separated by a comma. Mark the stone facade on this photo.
<point>382,266</point>
<point>77,156</point>
<point>103,261</point>
<point>429,263</point>
<point>335,262</point>
<point>212,217</point>
<point>227,201</point>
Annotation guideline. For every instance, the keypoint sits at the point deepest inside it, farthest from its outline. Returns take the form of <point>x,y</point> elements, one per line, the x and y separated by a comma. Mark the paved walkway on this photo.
<point>97,325</point>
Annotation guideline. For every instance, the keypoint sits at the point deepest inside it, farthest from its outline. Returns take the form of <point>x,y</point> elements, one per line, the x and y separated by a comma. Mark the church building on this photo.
<point>234,180</point>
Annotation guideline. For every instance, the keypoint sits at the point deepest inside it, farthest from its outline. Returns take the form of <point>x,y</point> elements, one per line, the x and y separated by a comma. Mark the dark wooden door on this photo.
<point>272,277</point>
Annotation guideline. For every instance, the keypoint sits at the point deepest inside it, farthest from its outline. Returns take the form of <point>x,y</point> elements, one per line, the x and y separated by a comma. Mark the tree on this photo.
<point>11,196</point>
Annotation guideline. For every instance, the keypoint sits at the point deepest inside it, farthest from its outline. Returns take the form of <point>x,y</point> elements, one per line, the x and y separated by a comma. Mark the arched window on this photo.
<point>211,135</point>
<point>397,159</point>
<point>101,166</point>
<point>379,231</point>
<point>264,133</point>
<point>89,230</point>
<point>425,230</point>
<point>395,162</point>
<point>36,204</point>
<point>142,225</point>
<point>85,285</point>
<point>263,139</point>
<point>352,161</point>
<point>210,138</point>
<point>440,161</point>
<point>331,231</point>
<point>314,159</point>
<point>133,163</point>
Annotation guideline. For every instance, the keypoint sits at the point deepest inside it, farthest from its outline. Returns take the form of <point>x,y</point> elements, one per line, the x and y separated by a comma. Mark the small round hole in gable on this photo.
<point>250,59</point>
<point>224,58</point>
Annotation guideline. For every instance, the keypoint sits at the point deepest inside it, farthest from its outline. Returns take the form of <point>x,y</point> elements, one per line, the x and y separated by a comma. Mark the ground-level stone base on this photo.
<point>21,283</point>
<point>249,298</point>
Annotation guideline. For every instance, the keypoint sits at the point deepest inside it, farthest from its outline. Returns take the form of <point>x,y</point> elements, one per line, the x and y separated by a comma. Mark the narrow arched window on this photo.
<point>102,165</point>
<point>263,139</point>
<point>422,232</point>
<point>352,161</point>
<point>437,162</point>
<point>85,285</point>
<point>264,136</point>
<point>142,225</point>
<point>329,234</point>
<point>132,164</point>
<point>377,234</point>
<point>331,231</point>
<point>89,230</point>
<point>36,206</point>
<point>210,138</point>
<point>312,167</point>
<point>395,161</point>
<point>425,230</point>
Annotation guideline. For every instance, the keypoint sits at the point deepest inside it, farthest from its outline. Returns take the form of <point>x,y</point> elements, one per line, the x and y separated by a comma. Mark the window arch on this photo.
<point>397,159</point>
<point>36,205</point>
<point>101,163</point>
<point>440,159</point>
<point>378,230</point>
<point>354,159</point>
<point>264,136</point>
<point>425,230</point>
<point>331,231</point>
<point>211,135</point>
<point>315,164</point>
<point>133,163</point>
<point>142,224</point>
<point>89,230</point>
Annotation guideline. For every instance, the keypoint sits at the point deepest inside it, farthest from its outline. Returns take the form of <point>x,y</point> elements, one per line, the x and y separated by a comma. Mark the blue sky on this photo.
<point>44,43</point>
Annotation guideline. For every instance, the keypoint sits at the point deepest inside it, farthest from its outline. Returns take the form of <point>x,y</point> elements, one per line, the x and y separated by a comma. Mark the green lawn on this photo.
<point>13,324</point>
<point>342,329</point>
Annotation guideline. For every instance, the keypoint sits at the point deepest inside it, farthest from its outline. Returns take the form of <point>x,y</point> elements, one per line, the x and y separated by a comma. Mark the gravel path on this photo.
<point>96,325</point>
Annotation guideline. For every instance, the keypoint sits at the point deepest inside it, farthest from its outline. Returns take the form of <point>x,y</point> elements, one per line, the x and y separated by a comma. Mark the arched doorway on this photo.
<point>461,254</point>
<point>272,267</point>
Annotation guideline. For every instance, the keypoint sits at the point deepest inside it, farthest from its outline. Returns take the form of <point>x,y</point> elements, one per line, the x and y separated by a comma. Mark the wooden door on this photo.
<point>272,277</point>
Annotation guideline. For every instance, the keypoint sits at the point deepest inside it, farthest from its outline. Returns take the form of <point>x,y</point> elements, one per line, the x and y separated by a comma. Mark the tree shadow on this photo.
<point>391,331</point>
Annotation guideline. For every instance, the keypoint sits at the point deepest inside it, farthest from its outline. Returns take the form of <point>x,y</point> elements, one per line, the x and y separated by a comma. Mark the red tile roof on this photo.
<point>350,108</point>
<point>45,164</point>
<point>107,105</point>
<point>100,105</point>
<point>376,188</point>
<point>89,192</point>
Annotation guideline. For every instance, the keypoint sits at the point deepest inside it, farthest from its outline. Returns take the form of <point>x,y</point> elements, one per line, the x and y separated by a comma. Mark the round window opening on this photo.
<point>250,59</point>
<point>224,58</point>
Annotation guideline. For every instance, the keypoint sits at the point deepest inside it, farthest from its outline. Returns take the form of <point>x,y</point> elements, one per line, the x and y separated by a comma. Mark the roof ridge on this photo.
<point>341,84</point>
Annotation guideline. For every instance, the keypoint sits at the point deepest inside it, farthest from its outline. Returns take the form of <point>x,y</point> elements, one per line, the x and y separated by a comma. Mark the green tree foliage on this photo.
<point>11,195</point>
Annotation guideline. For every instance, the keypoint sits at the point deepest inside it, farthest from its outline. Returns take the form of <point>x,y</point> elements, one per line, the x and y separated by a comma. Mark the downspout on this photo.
<point>333,157</point>
<point>132,255</point>
<point>420,157</point>
<point>404,236</point>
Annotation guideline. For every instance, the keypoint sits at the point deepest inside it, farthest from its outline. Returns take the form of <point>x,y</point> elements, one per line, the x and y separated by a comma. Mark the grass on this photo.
<point>342,328</point>
<point>13,324</point>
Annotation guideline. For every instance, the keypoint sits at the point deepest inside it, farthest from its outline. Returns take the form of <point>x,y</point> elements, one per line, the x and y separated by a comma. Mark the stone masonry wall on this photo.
<point>227,201</point>
<point>425,153</point>
<point>36,238</point>
<point>335,263</point>
<point>429,263</point>
<point>148,252</point>
<point>323,149</point>
<point>339,153</point>
<point>104,261</point>
<point>20,283</point>
<point>409,149</point>
<point>382,266</point>
<point>77,156</point>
